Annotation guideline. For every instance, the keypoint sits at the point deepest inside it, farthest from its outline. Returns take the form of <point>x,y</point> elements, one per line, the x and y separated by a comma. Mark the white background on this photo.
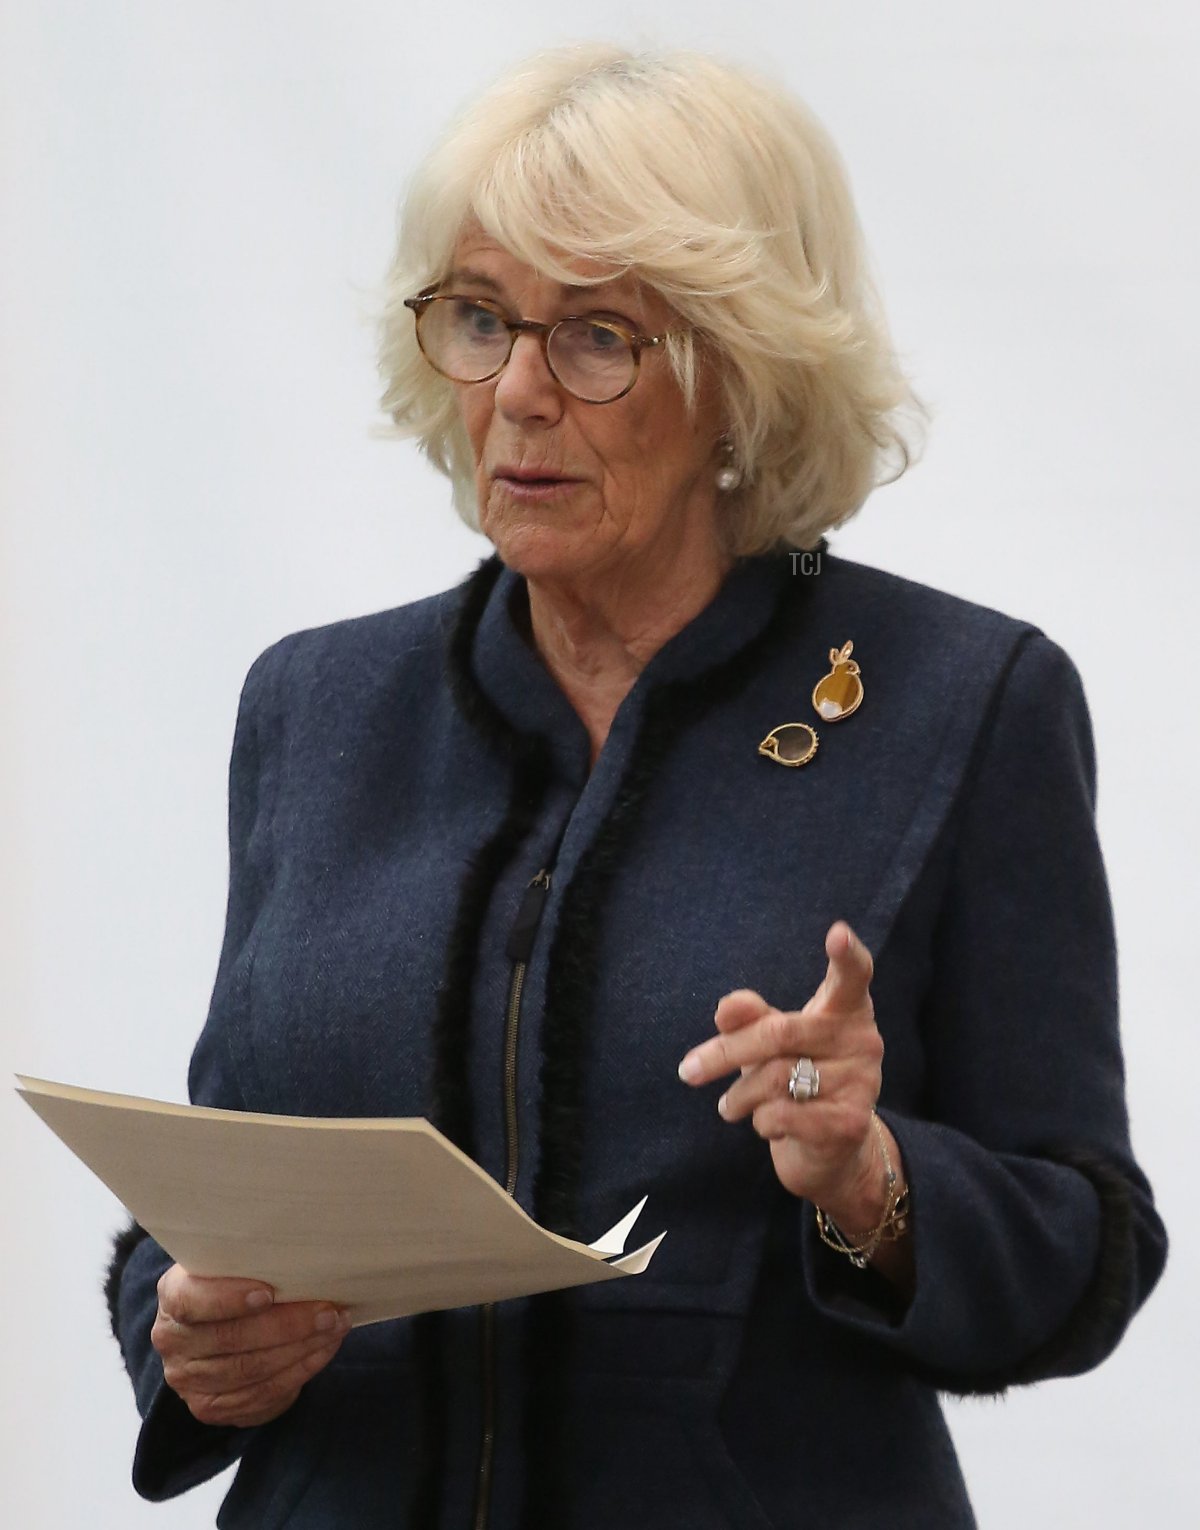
<point>197,208</point>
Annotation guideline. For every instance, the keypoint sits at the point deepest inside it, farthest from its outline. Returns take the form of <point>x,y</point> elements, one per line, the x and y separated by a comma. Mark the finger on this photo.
<point>757,1085</point>
<point>775,1033</point>
<point>247,1406</point>
<point>287,1323</point>
<point>208,1299</point>
<point>848,978</point>
<point>216,1374</point>
<point>770,1082</point>
<point>740,1008</point>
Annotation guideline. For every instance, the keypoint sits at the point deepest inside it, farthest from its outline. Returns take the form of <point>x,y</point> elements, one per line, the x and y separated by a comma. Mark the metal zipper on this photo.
<point>519,948</point>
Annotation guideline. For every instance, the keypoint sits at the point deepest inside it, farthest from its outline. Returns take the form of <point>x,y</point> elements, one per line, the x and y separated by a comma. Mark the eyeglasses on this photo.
<point>469,340</point>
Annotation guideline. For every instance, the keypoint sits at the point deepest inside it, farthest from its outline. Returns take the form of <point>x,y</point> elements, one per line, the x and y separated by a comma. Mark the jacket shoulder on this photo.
<point>945,656</point>
<point>911,607</point>
<point>945,639</point>
<point>418,626</point>
<point>341,661</point>
<point>938,648</point>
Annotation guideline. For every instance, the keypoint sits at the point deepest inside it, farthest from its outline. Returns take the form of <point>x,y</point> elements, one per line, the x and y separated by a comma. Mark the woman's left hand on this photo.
<point>823,1148</point>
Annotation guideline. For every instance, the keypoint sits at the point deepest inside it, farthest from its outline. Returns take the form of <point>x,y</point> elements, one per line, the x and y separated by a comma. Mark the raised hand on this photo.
<point>824,1148</point>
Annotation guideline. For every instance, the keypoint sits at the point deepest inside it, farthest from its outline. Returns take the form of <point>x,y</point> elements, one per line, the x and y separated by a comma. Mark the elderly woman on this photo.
<point>670,852</point>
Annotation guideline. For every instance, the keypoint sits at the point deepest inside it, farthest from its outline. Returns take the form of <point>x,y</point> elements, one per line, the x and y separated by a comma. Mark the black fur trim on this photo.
<point>124,1243</point>
<point>570,986</point>
<point>473,701</point>
<point>1101,1314</point>
<point>530,759</point>
<point>450,1100</point>
<point>572,970</point>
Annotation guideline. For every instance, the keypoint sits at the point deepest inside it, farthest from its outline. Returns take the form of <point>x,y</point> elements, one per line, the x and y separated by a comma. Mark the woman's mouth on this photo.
<point>532,487</point>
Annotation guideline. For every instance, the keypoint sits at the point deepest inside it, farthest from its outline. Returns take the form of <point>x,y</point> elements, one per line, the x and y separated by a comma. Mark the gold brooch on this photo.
<point>790,744</point>
<point>834,697</point>
<point>840,692</point>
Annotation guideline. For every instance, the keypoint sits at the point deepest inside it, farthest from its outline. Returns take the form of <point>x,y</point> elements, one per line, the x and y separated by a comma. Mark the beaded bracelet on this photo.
<point>892,1225</point>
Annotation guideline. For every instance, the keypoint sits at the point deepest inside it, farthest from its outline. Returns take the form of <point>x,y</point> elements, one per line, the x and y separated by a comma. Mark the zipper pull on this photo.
<point>524,930</point>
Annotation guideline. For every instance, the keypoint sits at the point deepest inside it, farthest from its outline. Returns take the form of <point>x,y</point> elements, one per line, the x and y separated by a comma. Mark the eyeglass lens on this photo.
<point>469,343</point>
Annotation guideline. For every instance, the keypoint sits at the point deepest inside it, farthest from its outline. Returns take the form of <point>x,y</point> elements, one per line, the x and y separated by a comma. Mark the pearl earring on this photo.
<point>729,476</point>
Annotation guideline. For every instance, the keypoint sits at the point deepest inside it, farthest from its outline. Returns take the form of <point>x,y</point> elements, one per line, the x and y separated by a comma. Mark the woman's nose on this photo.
<point>526,388</point>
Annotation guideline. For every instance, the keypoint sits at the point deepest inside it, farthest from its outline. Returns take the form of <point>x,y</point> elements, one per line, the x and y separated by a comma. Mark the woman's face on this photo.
<point>620,484</point>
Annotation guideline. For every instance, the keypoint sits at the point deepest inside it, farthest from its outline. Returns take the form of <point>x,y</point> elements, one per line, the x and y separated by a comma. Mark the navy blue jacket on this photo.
<point>398,780</point>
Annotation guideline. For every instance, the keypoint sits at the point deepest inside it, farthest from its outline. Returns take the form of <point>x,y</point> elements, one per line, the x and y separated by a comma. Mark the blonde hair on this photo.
<point>724,194</point>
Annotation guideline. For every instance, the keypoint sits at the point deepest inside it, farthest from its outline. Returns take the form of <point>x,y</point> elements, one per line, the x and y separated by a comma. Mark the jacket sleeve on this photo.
<point>1035,1233</point>
<point>175,1451</point>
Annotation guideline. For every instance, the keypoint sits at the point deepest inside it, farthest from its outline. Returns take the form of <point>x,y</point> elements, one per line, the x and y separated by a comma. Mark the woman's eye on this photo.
<point>479,323</point>
<point>590,339</point>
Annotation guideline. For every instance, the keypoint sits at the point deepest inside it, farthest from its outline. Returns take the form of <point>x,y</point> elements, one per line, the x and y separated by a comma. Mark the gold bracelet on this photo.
<point>892,1225</point>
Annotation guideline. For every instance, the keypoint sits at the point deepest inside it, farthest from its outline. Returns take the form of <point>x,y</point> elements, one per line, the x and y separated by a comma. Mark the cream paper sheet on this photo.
<point>386,1217</point>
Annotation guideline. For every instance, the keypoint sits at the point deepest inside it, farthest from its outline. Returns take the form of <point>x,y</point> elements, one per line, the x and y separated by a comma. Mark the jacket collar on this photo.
<point>501,677</point>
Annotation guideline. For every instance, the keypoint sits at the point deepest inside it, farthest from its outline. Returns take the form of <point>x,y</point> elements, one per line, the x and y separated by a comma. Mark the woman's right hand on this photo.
<point>232,1354</point>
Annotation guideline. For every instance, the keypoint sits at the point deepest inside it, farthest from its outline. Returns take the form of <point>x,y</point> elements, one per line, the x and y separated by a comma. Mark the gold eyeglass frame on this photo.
<point>636,343</point>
